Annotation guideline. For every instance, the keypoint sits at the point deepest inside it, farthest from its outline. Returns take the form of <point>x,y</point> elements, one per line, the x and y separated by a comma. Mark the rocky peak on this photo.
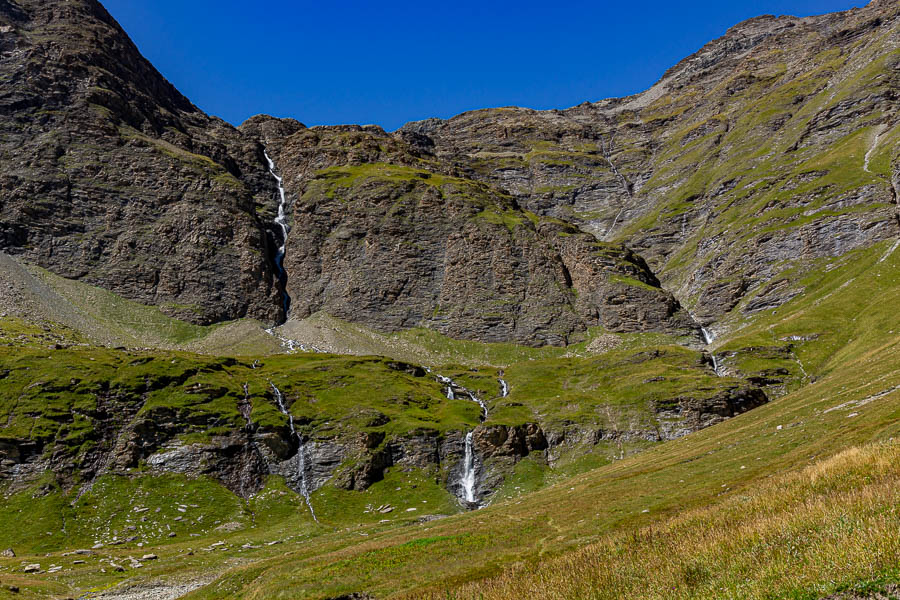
<point>113,177</point>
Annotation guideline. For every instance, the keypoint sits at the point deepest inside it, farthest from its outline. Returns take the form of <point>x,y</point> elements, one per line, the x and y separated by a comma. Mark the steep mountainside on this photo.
<point>476,339</point>
<point>772,147</point>
<point>111,176</point>
<point>383,235</point>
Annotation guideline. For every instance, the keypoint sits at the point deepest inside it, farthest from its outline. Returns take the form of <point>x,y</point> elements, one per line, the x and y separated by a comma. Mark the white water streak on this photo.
<point>293,346</point>
<point>872,149</point>
<point>469,468</point>
<point>890,251</point>
<point>708,337</point>
<point>469,478</point>
<point>301,450</point>
<point>281,221</point>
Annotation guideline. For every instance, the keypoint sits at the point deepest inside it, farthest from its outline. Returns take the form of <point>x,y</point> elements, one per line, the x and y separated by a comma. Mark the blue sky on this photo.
<point>391,62</point>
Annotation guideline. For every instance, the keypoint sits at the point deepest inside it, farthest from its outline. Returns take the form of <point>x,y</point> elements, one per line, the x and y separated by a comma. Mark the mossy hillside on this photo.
<point>808,336</point>
<point>846,406</point>
<point>105,318</point>
<point>60,396</point>
<point>430,348</point>
<point>620,390</point>
<point>120,511</point>
<point>342,181</point>
<point>823,529</point>
<point>720,462</point>
<point>764,175</point>
<point>44,517</point>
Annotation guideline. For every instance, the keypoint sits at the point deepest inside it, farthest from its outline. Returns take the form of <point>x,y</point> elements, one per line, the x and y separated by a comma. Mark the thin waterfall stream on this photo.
<point>281,221</point>
<point>708,338</point>
<point>301,450</point>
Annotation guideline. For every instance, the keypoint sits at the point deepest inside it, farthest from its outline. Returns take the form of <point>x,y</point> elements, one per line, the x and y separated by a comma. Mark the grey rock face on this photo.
<point>384,235</point>
<point>111,176</point>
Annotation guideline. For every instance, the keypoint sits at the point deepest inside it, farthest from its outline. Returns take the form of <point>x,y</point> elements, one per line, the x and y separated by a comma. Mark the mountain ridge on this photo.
<point>560,332</point>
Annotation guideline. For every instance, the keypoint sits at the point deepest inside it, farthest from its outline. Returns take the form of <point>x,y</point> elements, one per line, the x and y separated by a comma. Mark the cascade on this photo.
<point>468,478</point>
<point>708,338</point>
<point>504,388</point>
<point>301,450</point>
<point>281,221</point>
<point>451,395</point>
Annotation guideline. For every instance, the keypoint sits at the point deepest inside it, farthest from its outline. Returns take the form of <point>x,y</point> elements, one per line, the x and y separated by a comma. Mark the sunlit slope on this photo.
<point>849,397</point>
<point>854,401</point>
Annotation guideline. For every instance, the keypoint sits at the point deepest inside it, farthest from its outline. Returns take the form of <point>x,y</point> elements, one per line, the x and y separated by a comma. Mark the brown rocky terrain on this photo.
<point>111,176</point>
<point>385,235</point>
<point>772,147</point>
<point>468,225</point>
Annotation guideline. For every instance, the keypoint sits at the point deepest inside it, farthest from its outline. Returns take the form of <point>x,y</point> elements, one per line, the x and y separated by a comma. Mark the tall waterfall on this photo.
<point>469,470</point>
<point>281,221</point>
<point>301,450</point>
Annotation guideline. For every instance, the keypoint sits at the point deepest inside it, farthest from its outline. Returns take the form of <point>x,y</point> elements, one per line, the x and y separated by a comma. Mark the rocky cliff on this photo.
<point>109,175</point>
<point>771,148</point>
<point>384,234</point>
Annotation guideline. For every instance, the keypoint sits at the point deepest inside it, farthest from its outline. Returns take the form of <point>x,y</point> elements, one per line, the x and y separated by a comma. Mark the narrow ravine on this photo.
<point>301,450</point>
<point>281,221</point>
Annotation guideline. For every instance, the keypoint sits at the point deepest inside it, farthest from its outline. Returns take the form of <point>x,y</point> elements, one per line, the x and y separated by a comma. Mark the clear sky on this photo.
<point>390,62</point>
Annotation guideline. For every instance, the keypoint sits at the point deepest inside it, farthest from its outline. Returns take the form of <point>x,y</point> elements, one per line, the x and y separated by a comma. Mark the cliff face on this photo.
<point>771,148</point>
<point>384,234</point>
<point>111,176</point>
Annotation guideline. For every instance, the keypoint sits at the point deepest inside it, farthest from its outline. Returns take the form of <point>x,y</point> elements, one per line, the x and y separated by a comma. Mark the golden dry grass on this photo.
<point>800,535</point>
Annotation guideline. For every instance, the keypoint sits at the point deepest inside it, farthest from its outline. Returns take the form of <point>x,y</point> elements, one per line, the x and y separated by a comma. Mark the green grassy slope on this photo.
<point>851,397</point>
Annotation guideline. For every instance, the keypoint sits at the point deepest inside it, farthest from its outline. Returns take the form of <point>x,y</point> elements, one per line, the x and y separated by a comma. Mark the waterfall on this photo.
<point>451,395</point>
<point>504,388</point>
<point>468,476</point>
<point>281,221</point>
<point>708,338</point>
<point>468,479</point>
<point>301,450</point>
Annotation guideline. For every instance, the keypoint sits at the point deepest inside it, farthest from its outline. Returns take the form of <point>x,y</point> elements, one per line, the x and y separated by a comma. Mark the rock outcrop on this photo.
<point>109,175</point>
